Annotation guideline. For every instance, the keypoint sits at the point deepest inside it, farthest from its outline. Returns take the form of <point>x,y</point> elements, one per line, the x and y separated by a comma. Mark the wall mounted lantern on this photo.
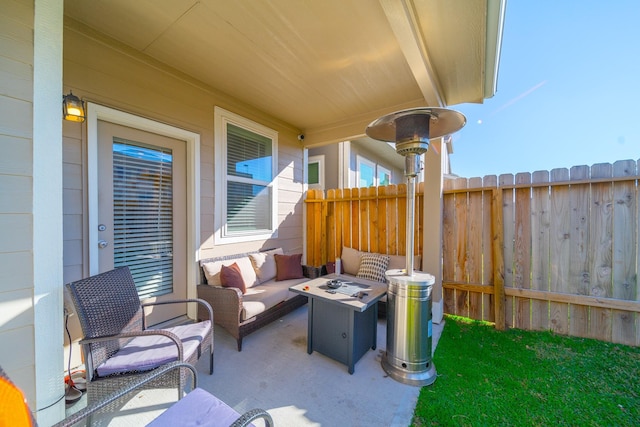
<point>73,108</point>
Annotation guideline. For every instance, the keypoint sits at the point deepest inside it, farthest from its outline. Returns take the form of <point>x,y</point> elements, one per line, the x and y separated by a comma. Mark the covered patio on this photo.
<point>275,373</point>
<point>180,73</point>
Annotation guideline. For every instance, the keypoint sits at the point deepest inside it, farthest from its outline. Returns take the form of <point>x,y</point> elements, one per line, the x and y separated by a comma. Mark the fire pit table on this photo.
<point>343,321</point>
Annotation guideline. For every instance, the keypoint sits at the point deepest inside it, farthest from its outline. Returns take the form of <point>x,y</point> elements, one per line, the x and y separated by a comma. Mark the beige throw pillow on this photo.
<point>264,264</point>
<point>350,260</point>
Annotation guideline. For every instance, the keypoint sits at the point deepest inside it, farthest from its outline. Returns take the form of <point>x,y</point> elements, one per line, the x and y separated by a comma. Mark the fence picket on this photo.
<point>600,245</point>
<point>473,266</point>
<point>338,219</point>
<point>448,246</point>
<point>637,292</point>
<point>368,219</point>
<point>522,249</point>
<point>559,250</point>
<point>382,218</point>
<point>540,224</point>
<point>316,225</point>
<point>355,218</point>
<point>489,182</point>
<point>580,200</point>
<point>624,251</point>
<point>401,232</point>
<point>508,222</point>
<point>462,227</point>
<point>419,220</point>
<point>346,219</point>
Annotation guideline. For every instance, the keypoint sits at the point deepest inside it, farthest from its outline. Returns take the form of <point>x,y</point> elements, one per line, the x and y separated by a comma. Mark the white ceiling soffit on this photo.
<point>326,68</point>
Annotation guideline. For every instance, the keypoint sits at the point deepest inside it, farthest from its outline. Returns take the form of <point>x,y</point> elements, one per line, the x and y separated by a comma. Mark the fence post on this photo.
<point>498,259</point>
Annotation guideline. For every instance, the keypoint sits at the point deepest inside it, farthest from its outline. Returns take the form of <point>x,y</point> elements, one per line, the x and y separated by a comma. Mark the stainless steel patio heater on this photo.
<point>409,326</point>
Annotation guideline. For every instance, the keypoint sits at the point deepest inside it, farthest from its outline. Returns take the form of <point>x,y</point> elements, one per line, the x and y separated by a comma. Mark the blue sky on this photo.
<point>568,91</point>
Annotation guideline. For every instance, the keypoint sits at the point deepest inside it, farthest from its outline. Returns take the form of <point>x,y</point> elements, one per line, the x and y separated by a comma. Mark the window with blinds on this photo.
<point>249,194</point>
<point>143,215</point>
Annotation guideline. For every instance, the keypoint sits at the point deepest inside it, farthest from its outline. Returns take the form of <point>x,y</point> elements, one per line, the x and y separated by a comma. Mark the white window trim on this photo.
<point>320,161</point>
<point>362,160</point>
<point>221,118</point>
<point>382,169</point>
<point>97,112</point>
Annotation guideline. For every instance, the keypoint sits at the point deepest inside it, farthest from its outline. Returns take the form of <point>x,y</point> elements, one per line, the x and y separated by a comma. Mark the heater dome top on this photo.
<point>442,121</point>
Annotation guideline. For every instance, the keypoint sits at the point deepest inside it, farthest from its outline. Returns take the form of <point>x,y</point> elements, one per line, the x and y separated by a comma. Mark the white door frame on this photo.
<point>97,112</point>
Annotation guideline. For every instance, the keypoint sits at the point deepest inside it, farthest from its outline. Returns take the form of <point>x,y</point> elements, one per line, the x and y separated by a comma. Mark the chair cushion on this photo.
<point>373,267</point>
<point>149,352</point>
<point>198,408</point>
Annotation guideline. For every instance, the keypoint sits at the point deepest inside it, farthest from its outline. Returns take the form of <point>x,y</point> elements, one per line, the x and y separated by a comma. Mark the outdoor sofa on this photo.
<point>248,291</point>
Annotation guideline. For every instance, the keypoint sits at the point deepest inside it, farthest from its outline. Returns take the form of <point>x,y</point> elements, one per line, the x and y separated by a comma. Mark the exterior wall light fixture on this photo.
<point>73,108</point>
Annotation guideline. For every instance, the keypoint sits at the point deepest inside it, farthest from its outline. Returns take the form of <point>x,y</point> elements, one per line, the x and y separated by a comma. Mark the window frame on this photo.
<point>383,170</point>
<point>319,159</point>
<point>222,118</point>
<point>363,160</point>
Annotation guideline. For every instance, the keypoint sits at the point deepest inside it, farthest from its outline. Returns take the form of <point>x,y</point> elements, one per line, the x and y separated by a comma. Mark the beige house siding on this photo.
<point>104,73</point>
<point>73,202</point>
<point>17,352</point>
<point>331,164</point>
<point>75,241</point>
<point>360,149</point>
<point>349,173</point>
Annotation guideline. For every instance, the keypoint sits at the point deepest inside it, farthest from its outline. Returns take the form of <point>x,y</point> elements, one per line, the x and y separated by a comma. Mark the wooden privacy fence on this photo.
<point>559,248</point>
<point>546,250</point>
<point>369,219</point>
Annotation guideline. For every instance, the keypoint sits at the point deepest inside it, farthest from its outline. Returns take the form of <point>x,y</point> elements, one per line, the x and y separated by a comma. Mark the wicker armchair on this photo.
<point>198,407</point>
<point>100,412</point>
<point>117,347</point>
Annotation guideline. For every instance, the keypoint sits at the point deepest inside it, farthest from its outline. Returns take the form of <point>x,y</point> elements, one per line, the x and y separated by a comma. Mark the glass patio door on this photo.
<point>142,212</point>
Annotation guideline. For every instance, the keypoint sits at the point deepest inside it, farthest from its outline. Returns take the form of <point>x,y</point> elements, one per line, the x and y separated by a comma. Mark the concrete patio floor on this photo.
<point>275,373</point>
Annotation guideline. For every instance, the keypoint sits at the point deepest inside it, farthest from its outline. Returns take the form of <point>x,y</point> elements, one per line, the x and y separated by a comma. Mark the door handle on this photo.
<point>102,244</point>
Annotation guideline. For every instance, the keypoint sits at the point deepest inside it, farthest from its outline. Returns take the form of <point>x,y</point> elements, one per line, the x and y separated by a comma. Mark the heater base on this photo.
<point>417,378</point>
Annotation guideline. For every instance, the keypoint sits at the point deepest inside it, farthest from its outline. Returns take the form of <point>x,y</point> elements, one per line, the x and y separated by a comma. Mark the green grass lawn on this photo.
<point>522,378</point>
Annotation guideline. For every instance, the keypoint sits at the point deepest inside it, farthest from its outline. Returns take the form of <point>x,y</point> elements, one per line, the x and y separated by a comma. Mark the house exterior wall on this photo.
<point>16,195</point>
<point>102,72</point>
<point>353,150</point>
<point>331,163</point>
<point>31,202</point>
<point>357,149</point>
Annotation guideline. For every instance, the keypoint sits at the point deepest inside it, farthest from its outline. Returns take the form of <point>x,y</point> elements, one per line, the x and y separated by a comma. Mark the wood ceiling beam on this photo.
<point>406,27</point>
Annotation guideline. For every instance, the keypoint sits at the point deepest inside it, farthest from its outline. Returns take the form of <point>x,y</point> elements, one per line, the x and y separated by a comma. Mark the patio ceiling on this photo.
<point>327,68</point>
